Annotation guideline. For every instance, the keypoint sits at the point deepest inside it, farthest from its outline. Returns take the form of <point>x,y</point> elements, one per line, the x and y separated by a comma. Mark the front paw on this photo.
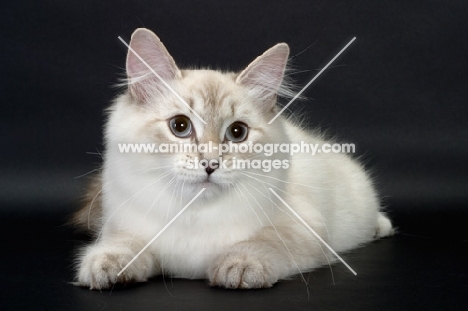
<point>99,269</point>
<point>237,270</point>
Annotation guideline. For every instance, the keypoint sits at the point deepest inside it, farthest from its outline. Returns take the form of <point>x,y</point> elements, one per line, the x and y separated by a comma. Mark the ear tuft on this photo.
<point>265,74</point>
<point>141,79</point>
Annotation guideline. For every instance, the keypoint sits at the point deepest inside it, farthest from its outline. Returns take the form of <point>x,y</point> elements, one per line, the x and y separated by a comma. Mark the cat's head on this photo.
<point>166,106</point>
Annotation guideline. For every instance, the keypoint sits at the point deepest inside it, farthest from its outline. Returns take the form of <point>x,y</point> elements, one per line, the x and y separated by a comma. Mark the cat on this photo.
<point>237,233</point>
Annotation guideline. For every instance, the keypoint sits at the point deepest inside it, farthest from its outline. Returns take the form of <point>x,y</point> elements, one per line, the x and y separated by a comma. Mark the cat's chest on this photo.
<point>187,251</point>
<point>192,241</point>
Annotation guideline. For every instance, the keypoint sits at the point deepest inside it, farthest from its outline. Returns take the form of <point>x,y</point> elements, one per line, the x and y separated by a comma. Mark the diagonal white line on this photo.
<point>313,79</point>
<point>160,232</point>
<point>313,231</point>
<point>162,80</point>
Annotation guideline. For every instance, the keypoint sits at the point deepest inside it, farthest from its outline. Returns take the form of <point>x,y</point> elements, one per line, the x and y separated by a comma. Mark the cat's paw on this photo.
<point>237,270</point>
<point>99,268</point>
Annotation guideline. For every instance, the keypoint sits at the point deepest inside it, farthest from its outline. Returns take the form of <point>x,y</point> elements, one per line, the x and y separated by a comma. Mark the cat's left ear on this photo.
<point>265,74</point>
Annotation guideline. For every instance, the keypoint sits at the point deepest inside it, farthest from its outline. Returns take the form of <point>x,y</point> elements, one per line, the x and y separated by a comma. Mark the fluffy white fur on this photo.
<point>236,234</point>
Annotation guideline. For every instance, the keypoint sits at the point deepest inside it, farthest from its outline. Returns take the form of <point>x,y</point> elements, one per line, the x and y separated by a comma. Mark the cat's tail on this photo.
<point>88,217</point>
<point>384,226</point>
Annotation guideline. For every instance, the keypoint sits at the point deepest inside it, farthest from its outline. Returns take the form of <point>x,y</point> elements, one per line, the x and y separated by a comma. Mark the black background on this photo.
<point>399,92</point>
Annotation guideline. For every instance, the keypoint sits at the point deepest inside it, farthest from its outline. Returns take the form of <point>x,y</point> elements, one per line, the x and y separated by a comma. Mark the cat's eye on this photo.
<point>237,132</point>
<point>181,126</point>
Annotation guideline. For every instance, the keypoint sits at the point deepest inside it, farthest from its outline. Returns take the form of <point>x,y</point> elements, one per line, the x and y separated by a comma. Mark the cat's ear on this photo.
<point>142,80</point>
<point>265,74</point>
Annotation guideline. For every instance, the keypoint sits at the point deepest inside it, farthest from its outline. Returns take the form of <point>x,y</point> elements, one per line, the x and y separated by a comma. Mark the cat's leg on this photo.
<point>101,262</point>
<point>273,254</point>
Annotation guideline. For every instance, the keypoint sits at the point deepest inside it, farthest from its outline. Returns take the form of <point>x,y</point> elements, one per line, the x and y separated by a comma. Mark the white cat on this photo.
<point>237,233</point>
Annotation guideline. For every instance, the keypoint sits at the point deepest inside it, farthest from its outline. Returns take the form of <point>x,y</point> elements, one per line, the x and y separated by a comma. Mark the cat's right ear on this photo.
<point>148,62</point>
<point>265,75</point>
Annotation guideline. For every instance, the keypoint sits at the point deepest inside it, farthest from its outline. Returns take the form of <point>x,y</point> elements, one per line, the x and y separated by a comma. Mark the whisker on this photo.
<point>95,153</point>
<point>153,203</point>
<point>91,207</point>
<point>250,205</point>
<point>307,48</point>
<point>172,196</point>
<point>286,182</point>
<point>118,208</point>
<point>302,226</point>
<point>107,184</point>
<point>86,174</point>
<point>271,200</point>
<point>281,239</point>
<point>271,185</point>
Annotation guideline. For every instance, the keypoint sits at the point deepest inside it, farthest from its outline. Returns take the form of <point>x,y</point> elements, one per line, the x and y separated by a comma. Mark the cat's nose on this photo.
<point>212,166</point>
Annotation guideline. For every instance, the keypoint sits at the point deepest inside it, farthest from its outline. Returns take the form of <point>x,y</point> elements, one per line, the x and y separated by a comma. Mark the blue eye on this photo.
<point>237,132</point>
<point>181,126</point>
